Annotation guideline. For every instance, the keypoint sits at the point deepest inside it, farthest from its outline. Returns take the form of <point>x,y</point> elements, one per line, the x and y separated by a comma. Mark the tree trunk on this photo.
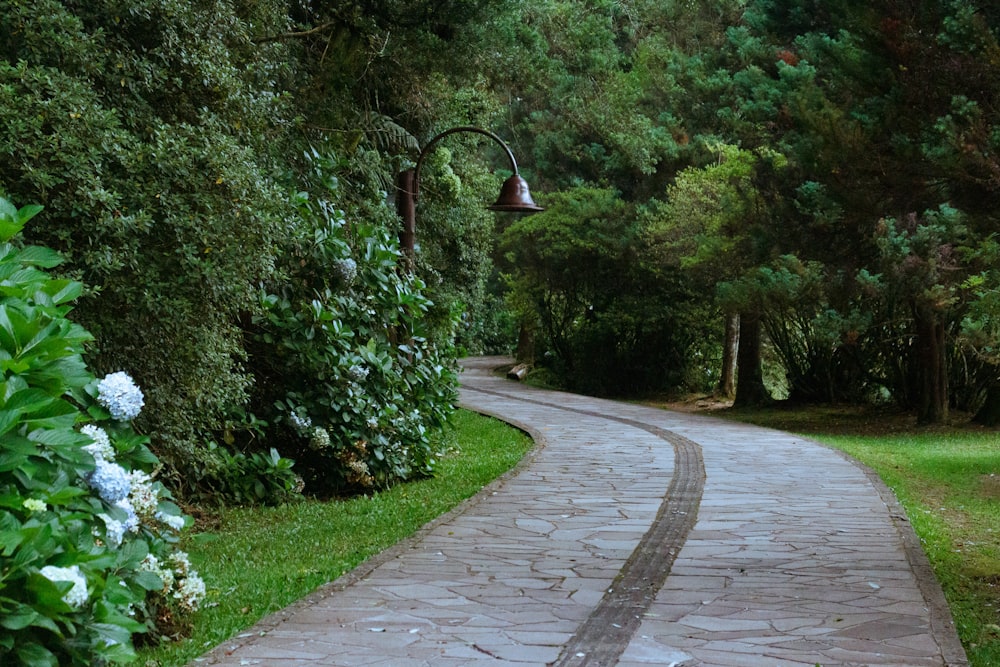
<point>750,389</point>
<point>727,380</point>
<point>525,353</point>
<point>931,368</point>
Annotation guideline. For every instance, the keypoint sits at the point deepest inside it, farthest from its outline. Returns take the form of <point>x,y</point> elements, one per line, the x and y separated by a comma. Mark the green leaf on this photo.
<point>29,400</point>
<point>26,213</point>
<point>10,540</point>
<point>36,655</point>
<point>8,210</point>
<point>64,495</point>
<point>132,553</point>
<point>48,594</point>
<point>39,256</point>
<point>18,618</point>
<point>57,415</point>
<point>149,581</point>
<point>43,621</point>
<point>56,437</point>
<point>63,291</point>
<point>9,227</point>
<point>8,420</point>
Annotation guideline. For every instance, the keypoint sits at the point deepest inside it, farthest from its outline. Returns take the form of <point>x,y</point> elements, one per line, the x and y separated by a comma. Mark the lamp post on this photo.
<point>514,196</point>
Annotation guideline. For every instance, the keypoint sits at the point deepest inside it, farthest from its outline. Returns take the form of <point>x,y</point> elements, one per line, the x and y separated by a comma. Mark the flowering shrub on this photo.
<point>80,508</point>
<point>344,368</point>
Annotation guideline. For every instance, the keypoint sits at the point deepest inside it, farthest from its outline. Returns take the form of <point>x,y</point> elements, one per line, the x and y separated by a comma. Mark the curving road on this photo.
<point>633,536</point>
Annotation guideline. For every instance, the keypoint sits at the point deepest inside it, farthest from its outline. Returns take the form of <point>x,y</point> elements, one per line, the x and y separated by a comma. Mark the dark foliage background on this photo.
<point>825,171</point>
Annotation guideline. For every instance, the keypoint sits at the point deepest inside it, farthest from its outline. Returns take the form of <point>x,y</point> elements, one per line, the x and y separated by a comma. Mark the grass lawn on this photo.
<point>257,561</point>
<point>948,479</point>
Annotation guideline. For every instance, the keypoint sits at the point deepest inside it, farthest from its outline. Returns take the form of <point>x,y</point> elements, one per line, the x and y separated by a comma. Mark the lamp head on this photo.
<point>515,198</point>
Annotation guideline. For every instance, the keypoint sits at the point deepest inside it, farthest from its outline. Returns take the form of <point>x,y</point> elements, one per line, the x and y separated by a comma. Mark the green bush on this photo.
<point>87,534</point>
<point>225,477</point>
<point>149,131</point>
<point>343,370</point>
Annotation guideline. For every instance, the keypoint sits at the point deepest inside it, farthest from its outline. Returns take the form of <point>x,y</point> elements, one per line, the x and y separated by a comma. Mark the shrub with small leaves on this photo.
<point>152,131</point>
<point>80,509</point>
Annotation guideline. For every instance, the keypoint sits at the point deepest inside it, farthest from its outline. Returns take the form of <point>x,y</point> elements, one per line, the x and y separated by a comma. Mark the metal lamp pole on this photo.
<point>514,195</point>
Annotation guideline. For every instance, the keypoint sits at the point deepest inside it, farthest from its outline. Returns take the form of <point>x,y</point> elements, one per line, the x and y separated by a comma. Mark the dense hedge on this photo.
<point>163,144</point>
<point>154,189</point>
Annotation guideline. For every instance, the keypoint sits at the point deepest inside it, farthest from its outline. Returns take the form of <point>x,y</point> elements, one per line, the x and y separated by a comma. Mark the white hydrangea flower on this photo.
<point>172,521</point>
<point>120,395</point>
<point>181,562</point>
<point>110,480</point>
<point>132,520</point>
<point>75,597</point>
<point>114,529</point>
<point>152,564</point>
<point>320,438</point>
<point>347,269</point>
<point>190,591</point>
<point>144,497</point>
<point>101,447</point>
<point>301,424</point>
<point>34,505</point>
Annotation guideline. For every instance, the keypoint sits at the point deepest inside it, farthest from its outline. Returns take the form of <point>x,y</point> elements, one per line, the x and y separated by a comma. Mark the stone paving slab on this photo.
<point>793,556</point>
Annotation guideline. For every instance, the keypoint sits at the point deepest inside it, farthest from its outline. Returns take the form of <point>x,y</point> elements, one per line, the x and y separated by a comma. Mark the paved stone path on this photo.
<point>633,537</point>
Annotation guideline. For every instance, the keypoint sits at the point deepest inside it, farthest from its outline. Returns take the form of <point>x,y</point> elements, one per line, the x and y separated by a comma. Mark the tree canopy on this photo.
<point>826,170</point>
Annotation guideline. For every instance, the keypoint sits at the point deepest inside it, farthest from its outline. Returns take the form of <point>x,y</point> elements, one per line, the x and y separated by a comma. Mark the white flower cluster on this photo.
<point>180,580</point>
<point>359,468</point>
<point>301,424</point>
<point>152,564</point>
<point>190,587</point>
<point>75,597</point>
<point>101,447</point>
<point>131,518</point>
<point>114,530</point>
<point>120,395</point>
<point>110,480</point>
<point>34,505</point>
<point>320,438</point>
<point>132,492</point>
<point>347,269</point>
<point>173,521</point>
<point>145,499</point>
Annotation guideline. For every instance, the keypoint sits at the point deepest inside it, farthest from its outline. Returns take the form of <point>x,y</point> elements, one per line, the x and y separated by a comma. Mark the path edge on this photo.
<point>943,627</point>
<point>272,621</point>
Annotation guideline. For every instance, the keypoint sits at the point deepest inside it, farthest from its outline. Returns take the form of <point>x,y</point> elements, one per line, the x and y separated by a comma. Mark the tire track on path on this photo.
<point>607,632</point>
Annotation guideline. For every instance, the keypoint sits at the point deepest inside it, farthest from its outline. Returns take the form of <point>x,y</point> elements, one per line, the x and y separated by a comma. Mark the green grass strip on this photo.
<point>259,560</point>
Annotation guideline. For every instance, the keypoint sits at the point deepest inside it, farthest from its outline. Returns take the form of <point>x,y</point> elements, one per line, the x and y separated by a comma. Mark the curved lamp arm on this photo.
<point>464,128</point>
<point>514,196</point>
